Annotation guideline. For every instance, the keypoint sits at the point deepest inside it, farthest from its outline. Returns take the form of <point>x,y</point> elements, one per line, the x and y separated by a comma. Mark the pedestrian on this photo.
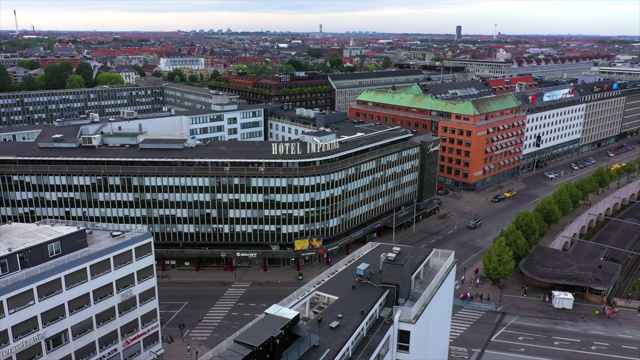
<point>488,296</point>
<point>525,291</point>
<point>477,282</point>
<point>188,349</point>
<point>638,310</point>
<point>628,302</point>
<point>480,296</point>
<point>522,290</point>
<point>462,279</point>
<point>604,308</point>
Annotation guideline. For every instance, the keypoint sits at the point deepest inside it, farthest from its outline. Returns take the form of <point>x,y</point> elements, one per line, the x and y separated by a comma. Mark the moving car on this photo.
<point>498,198</point>
<point>510,193</point>
<point>474,224</point>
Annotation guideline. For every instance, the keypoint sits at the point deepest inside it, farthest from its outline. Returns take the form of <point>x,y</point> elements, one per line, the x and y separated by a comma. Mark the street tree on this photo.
<point>386,62</point>
<point>75,82</point>
<point>526,223</point>
<point>563,200</point>
<point>193,78</point>
<point>498,261</point>
<point>287,69</point>
<point>542,226</point>
<point>106,78</point>
<point>57,74</point>
<point>314,53</point>
<point>29,64</point>
<point>549,210</point>
<point>335,62</point>
<point>42,81</point>
<point>371,68</point>
<point>601,177</point>
<point>176,75</point>
<point>6,84</point>
<point>574,194</point>
<point>587,185</point>
<point>214,75</point>
<point>157,73</point>
<point>516,241</point>
<point>259,70</point>
<point>28,83</point>
<point>84,69</point>
<point>140,70</point>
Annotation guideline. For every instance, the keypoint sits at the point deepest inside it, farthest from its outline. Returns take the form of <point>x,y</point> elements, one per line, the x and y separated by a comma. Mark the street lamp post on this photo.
<point>501,286</point>
<point>415,206</point>
<point>393,232</point>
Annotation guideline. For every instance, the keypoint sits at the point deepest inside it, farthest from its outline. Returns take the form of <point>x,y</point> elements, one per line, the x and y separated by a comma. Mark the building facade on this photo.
<point>554,123</point>
<point>553,67</point>
<point>480,139</point>
<point>604,108</point>
<point>398,307</point>
<point>170,64</point>
<point>75,292</point>
<point>347,87</point>
<point>299,90</point>
<point>226,194</point>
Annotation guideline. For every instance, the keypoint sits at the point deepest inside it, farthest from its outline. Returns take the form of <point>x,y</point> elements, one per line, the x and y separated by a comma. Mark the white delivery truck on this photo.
<point>562,300</point>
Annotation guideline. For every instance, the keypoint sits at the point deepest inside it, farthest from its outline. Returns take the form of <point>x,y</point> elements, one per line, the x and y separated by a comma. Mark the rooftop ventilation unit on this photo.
<point>395,250</point>
<point>391,257</point>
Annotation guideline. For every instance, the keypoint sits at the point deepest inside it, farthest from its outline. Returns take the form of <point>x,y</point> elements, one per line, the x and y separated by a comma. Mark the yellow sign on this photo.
<point>307,243</point>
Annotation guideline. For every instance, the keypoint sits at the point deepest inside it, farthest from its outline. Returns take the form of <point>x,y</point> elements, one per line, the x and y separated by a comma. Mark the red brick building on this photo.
<point>481,139</point>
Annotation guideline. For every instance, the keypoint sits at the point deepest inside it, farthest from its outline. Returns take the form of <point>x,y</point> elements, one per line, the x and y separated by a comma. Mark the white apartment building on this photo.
<point>192,63</point>
<point>555,127</point>
<point>69,292</point>
<point>603,113</point>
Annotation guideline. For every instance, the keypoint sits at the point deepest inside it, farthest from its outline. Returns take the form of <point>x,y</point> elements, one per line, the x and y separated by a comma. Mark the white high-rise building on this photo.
<point>70,292</point>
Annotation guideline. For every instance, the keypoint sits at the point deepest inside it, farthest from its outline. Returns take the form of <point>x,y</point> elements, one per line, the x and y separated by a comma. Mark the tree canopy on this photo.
<point>498,261</point>
<point>549,210</point>
<point>29,64</point>
<point>526,223</point>
<point>6,84</point>
<point>84,69</point>
<point>106,78</point>
<point>28,83</point>
<point>57,74</point>
<point>516,242</point>
<point>75,82</point>
<point>563,200</point>
<point>386,62</point>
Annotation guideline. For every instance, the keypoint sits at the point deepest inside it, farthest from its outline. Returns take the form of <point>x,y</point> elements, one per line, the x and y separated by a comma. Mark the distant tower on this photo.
<point>495,31</point>
<point>16,17</point>
<point>320,28</point>
<point>458,32</point>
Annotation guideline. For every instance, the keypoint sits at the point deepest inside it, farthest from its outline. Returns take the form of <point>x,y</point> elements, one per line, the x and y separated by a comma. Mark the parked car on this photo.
<point>474,224</point>
<point>592,160</point>
<point>573,166</point>
<point>442,192</point>
<point>498,198</point>
<point>610,153</point>
<point>555,173</point>
<point>549,175</point>
<point>510,193</point>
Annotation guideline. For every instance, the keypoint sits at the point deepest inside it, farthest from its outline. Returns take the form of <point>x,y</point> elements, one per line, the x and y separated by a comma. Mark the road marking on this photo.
<point>174,315</point>
<point>450,232</point>
<point>524,337</point>
<point>234,313</point>
<point>598,347</point>
<point>518,349</point>
<point>629,347</point>
<point>431,242</point>
<point>246,314</point>
<point>626,336</point>
<point>597,332</point>
<point>559,338</point>
<point>599,343</point>
<point>560,342</point>
<point>569,350</point>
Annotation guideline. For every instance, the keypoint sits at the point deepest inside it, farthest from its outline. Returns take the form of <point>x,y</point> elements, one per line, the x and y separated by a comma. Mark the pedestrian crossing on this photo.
<point>461,321</point>
<point>218,311</point>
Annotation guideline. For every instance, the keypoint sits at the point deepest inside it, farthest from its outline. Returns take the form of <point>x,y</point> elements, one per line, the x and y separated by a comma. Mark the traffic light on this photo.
<point>538,140</point>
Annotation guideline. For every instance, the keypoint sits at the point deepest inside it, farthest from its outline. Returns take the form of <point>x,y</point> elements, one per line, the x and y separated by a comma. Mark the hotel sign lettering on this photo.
<point>310,148</point>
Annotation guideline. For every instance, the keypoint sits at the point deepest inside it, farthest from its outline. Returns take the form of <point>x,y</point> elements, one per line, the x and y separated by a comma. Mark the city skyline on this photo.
<point>619,17</point>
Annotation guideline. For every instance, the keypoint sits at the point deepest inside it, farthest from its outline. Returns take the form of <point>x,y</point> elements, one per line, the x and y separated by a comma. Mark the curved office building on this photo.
<point>218,194</point>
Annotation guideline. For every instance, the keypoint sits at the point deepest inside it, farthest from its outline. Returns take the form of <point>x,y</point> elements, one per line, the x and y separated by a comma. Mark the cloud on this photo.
<point>415,16</point>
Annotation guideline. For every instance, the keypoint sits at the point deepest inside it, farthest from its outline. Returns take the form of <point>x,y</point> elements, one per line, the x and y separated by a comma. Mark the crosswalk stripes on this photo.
<point>458,352</point>
<point>462,320</point>
<point>218,311</point>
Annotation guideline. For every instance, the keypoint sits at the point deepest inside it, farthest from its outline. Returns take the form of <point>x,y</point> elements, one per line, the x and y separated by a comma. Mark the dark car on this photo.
<point>442,192</point>
<point>498,198</point>
<point>474,224</point>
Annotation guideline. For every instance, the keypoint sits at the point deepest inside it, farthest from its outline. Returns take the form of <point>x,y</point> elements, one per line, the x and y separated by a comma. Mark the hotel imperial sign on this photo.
<point>310,148</point>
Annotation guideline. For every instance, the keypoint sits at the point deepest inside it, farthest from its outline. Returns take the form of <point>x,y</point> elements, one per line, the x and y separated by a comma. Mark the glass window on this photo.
<point>404,340</point>
<point>4,266</point>
<point>54,249</point>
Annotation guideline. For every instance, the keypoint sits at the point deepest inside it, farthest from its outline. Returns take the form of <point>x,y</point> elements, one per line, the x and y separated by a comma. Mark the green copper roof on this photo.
<point>421,101</point>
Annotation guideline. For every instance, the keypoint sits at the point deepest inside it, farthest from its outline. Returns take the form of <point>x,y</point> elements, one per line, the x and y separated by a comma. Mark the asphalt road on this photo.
<point>213,311</point>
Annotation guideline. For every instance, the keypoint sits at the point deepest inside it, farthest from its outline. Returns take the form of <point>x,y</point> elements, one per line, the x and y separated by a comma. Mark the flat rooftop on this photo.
<point>18,236</point>
<point>360,135</point>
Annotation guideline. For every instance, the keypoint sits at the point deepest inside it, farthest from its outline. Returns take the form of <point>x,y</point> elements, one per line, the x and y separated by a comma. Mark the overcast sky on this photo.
<point>602,17</point>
